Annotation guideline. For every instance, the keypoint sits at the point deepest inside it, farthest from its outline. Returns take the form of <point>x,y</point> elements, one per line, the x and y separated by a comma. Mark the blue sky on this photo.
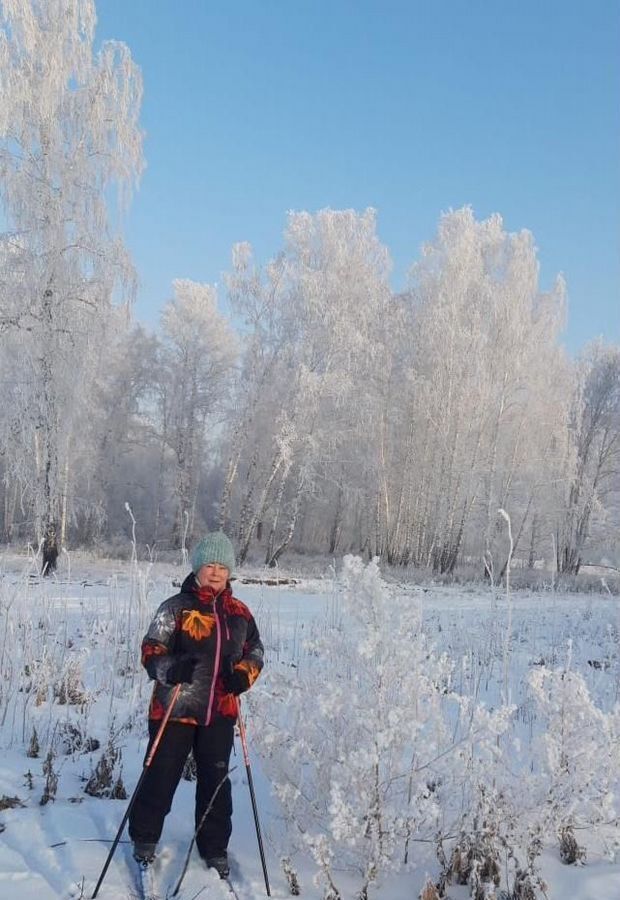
<point>256,107</point>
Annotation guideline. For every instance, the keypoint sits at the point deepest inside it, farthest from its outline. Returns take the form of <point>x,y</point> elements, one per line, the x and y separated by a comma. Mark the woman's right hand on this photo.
<point>181,669</point>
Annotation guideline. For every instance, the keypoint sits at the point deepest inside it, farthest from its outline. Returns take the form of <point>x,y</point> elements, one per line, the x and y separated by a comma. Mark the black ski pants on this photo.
<point>212,746</point>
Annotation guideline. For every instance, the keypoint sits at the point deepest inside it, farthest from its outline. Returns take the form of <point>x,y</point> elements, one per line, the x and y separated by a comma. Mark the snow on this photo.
<point>89,620</point>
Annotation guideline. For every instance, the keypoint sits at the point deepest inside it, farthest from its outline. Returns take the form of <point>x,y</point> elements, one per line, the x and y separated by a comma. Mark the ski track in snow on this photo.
<point>200,882</point>
<point>33,869</point>
<point>31,859</point>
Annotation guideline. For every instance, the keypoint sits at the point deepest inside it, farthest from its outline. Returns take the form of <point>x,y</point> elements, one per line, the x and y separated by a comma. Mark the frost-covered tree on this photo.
<point>592,470</point>
<point>484,380</point>
<point>69,135</point>
<point>198,351</point>
<point>119,435</point>
<point>397,426</point>
<point>312,317</point>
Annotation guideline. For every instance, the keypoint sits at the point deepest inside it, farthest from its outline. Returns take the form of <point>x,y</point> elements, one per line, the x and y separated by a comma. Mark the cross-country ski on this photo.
<point>148,884</point>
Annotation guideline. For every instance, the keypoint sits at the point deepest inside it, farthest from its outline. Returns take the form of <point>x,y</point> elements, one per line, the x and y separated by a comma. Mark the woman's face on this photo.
<point>214,576</point>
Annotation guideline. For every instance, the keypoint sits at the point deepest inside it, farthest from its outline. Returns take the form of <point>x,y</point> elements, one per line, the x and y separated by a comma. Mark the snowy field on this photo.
<point>387,716</point>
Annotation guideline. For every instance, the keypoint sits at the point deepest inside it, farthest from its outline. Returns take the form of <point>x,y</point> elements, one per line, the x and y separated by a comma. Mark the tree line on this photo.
<point>323,412</point>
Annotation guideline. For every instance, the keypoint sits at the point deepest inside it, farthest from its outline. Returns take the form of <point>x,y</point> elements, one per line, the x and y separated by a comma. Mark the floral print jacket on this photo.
<point>214,630</point>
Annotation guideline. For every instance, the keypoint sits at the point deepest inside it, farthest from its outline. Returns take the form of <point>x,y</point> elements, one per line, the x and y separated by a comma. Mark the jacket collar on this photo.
<point>205,594</point>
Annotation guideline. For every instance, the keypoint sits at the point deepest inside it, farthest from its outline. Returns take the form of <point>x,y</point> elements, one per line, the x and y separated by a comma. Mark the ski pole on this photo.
<point>246,759</point>
<point>200,824</point>
<point>145,768</point>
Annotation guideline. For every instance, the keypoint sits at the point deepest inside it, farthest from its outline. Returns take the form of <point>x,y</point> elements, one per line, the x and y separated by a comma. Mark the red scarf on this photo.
<point>232,607</point>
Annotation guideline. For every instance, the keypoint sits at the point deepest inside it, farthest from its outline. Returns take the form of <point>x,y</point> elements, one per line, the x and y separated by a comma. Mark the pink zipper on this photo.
<point>216,667</point>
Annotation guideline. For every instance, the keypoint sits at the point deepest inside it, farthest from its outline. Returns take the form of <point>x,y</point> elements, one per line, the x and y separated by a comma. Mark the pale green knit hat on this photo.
<point>214,548</point>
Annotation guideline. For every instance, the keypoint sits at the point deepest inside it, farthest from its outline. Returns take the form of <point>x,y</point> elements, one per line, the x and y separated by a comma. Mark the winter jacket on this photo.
<point>215,630</point>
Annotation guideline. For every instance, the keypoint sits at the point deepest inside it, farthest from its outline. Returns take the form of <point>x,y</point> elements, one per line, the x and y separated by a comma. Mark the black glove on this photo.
<point>236,681</point>
<point>181,669</point>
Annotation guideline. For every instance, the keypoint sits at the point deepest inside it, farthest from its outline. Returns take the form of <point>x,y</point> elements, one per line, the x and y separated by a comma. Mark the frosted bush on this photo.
<point>359,741</point>
<point>578,750</point>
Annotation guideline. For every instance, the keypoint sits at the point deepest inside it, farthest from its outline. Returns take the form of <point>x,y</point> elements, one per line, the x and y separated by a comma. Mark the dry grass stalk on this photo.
<point>429,891</point>
<point>291,877</point>
<point>570,852</point>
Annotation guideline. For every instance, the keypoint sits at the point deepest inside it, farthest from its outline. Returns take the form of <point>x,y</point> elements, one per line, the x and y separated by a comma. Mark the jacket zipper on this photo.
<point>216,665</point>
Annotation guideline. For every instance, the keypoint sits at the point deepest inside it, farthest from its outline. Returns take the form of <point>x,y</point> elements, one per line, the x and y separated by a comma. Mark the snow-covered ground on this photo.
<point>69,671</point>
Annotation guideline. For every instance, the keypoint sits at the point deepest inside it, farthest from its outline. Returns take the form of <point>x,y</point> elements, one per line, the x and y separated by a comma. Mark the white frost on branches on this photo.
<point>70,154</point>
<point>579,750</point>
<point>357,742</point>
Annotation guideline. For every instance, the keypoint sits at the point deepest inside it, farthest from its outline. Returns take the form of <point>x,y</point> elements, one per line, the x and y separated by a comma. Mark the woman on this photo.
<point>207,640</point>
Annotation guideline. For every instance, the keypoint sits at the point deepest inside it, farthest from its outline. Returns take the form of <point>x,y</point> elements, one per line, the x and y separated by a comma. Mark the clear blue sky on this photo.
<point>256,107</point>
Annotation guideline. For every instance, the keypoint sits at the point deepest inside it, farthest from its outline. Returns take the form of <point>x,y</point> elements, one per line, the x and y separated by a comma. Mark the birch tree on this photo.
<point>120,436</point>
<point>69,135</point>
<point>594,464</point>
<point>483,345</point>
<point>311,316</point>
<point>198,351</point>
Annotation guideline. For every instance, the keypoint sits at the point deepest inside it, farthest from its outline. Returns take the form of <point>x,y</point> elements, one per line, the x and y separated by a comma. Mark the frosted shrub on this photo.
<point>570,851</point>
<point>51,779</point>
<point>34,748</point>
<point>107,779</point>
<point>430,891</point>
<point>349,737</point>
<point>69,688</point>
<point>374,756</point>
<point>476,860</point>
<point>291,877</point>
<point>73,738</point>
<point>38,679</point>
<point>578,753</point>
<point>497,842</point>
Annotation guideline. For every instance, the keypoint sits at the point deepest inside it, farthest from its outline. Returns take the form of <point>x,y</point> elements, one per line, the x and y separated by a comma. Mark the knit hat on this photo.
<point>214,548</point>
